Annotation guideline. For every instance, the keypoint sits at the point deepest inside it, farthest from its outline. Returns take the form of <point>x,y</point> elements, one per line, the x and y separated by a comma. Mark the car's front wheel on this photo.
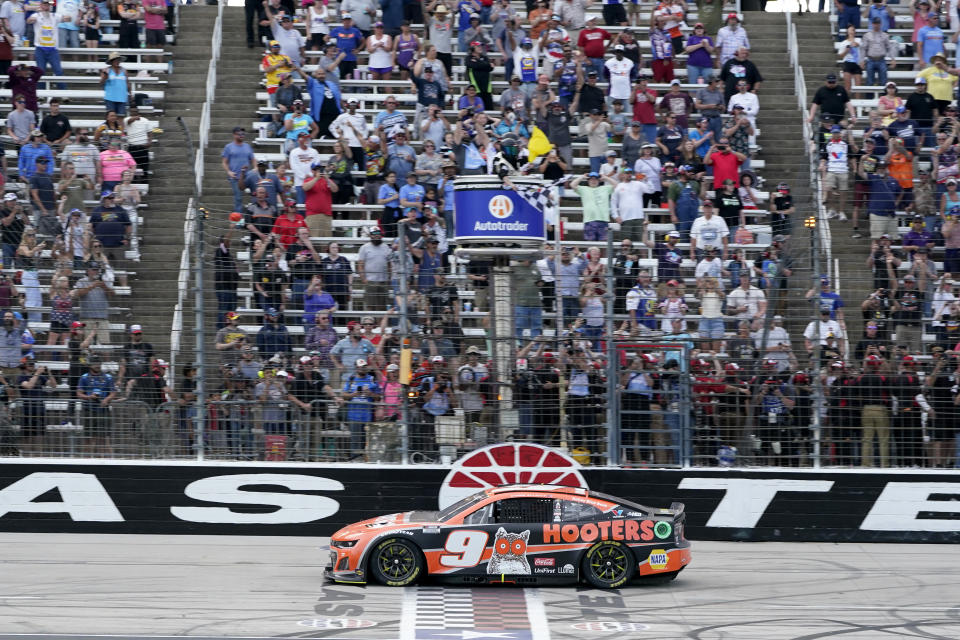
<point>396,562</point>
<point>608,564</point>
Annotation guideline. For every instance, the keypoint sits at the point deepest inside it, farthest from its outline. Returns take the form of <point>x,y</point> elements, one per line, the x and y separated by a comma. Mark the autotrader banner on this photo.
<point>305,499</point>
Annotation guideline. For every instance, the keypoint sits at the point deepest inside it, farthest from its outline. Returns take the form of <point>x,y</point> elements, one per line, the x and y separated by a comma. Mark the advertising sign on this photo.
<point>485,211</point>
<point>315,499</point>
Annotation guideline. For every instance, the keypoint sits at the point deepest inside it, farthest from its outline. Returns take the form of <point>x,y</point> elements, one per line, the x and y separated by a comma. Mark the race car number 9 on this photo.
<point>465,548</point>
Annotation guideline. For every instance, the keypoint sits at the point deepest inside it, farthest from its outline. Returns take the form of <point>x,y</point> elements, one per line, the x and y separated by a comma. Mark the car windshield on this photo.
<point>460,505</point>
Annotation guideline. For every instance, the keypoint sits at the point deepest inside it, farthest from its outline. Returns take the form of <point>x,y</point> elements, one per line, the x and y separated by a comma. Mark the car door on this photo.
<point>493,539</point>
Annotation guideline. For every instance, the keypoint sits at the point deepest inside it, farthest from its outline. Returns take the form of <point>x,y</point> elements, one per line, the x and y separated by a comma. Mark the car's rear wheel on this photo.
<point>396,562</point>
<point>608,564</point>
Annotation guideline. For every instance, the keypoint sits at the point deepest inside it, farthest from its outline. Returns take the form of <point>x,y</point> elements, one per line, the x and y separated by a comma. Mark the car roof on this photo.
<point>554,489</point>
<point>545,488</point>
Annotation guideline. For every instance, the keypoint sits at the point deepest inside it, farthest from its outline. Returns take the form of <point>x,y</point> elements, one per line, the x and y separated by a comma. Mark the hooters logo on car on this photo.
<point>625,530</point>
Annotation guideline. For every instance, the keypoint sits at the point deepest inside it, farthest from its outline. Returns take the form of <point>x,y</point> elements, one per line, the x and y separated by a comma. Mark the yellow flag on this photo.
<point>539,145</point>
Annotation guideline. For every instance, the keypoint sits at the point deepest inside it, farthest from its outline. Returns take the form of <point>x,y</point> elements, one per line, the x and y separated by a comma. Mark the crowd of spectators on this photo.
<point>68,217</point>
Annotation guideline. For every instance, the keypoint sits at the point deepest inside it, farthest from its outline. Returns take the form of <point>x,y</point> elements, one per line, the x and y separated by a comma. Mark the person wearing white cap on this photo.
<point>620,69</point>
<point>272,391</point>
<point>593,42</point>
<point>135,355</point>
<point>310,391</point>
<point>352,127</point>
<point>292,42</point>
<point>360,392</point>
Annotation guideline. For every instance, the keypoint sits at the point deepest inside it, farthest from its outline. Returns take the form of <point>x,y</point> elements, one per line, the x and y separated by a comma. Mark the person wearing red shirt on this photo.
<point>285,228</point>
<point>592,43</point>
<point>726,163</point>
<point>319,190</point>
<point>644,103</point>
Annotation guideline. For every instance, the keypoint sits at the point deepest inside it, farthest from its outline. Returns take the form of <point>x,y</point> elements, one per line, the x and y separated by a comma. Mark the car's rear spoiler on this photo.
<point>677,508</point>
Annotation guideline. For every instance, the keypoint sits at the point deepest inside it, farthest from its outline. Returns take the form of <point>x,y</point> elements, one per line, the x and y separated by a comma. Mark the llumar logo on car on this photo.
<point>626,530</point>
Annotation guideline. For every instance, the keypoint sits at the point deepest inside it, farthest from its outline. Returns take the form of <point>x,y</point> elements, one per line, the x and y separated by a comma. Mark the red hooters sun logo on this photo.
<point>500,207</point>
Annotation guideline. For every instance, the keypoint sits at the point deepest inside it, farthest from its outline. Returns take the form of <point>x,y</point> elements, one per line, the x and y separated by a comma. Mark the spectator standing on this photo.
<point>644,102</point>
<point>138,141</point>
<point>619,69</point>
<point>595,199</point>
<point>592,43</point>
<point>285,227</point>
<point>683,202</point>
<point>941,81</point>
<point>730,39</point>
<point>360,392</point>
<point>55,126</point>
<point>930,39</point>
<point>740,68</point>
<point>699,52</point>
<point>23,81</point>
<point>349,41</point>
<point>92,293</point>
<point>725,161</point>
<point>20,121</point>
<point>373,271</point>
<point>908,304</point>
<point>130,12</point>
<point>46,51</point>
<point>114,161</point>
<point>30,153</point>
<point>881,204</point>
<point>237,159</point>
<point>325,105</point>
<point>567,274</point>
<point>155,31</point>
<point>747,301</point>
<point>661,54</point>
<point>302,159</point>
<point>348,351</point>
<point>709,231</point>
<point>677,102</point>
<point>626,205</point>
<point>43,198</point>
<point>318,190</point>
<point>879,53</point>
<point>832,101</point>
<point>96,389</point>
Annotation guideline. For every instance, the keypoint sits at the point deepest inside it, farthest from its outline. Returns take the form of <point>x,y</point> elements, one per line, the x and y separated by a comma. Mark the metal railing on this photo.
<point>209,97</point>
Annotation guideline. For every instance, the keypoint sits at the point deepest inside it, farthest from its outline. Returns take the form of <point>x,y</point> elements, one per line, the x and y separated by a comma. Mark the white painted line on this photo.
<point>537,614</point>
<point>408,614</point>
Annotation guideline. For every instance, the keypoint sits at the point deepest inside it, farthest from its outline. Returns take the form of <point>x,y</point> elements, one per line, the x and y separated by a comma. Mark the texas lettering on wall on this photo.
<point>260,499</point>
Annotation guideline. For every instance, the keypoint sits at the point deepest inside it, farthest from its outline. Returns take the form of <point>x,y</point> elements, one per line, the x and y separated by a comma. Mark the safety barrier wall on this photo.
<point>313,499</point>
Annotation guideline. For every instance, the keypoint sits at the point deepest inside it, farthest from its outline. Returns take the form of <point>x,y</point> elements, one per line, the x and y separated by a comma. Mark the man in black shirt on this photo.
<point>832,100</point>
<point>442,295</point>
<point>135,357</point>
<point>908,313</point>
<point>922,108</point>
<point>429,91</point>
<point>588,97</point>
<point>872,343</point>
<point>43,197</point>
<point>55,125</point>
<point>226,279</point>
<point>12,224</point>
<point>261,214</point>
<point>151,386</point>
<point>556,124</point>
<point>311,392</point>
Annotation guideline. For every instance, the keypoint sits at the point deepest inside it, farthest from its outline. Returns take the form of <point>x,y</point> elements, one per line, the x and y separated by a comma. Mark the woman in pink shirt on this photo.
<point>114,161</point>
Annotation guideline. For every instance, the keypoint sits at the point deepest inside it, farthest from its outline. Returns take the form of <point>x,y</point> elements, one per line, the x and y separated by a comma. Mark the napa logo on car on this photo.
<point>658,559</point>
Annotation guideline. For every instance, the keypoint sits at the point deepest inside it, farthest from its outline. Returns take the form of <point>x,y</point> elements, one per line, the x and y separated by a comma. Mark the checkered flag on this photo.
<point>542,198</point>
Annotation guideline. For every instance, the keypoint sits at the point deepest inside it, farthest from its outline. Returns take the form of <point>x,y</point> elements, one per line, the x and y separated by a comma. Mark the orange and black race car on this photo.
<point>518,534</point>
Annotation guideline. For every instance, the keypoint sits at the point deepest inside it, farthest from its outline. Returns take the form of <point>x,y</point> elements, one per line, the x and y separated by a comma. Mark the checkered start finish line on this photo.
<point>436,613</point>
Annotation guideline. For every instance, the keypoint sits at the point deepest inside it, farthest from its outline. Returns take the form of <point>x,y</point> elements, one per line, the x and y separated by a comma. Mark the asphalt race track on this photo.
<point>71,586</point>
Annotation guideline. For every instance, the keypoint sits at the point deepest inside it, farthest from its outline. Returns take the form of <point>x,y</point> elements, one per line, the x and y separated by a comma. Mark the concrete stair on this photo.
<point>783,151</point>
<point>171,186</point>
<point>818,58</point>
<point>238,78</point>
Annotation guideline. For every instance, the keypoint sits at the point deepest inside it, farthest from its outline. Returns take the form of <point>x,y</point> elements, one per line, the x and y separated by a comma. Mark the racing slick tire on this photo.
<point>396,562</point>
<point>608,565</point>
